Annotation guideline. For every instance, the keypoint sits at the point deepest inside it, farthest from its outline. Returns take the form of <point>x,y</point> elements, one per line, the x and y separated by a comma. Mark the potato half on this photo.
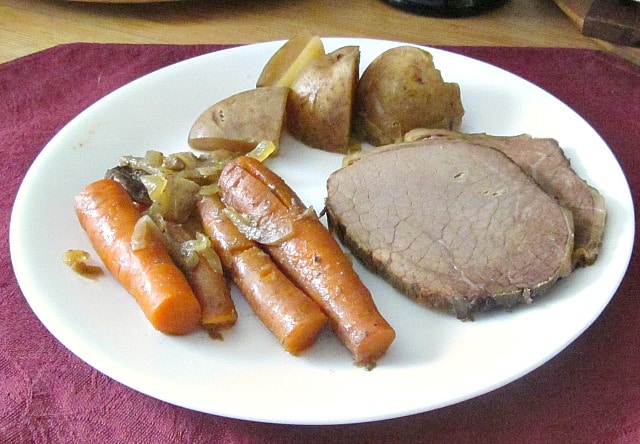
<point>402,90</point>
<point>321,99</point>
<point>239,122</point>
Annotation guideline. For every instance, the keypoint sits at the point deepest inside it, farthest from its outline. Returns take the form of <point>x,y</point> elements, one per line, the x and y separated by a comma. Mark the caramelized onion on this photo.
<point>262,150</point>
<point>189,249</point>
<point>266,234</point>
<point>78,260</point>
<point>144,232</point>
<point>174,197</point>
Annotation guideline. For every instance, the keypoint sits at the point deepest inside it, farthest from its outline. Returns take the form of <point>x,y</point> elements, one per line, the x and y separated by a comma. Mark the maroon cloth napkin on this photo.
<point>588,393</point>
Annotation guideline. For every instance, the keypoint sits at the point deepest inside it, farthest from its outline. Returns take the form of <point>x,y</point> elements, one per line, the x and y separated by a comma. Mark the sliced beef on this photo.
<point>452,224</point>
<point>546,163</point>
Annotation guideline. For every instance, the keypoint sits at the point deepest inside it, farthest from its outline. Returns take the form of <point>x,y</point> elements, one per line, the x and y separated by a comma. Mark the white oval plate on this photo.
<point>436,359</point>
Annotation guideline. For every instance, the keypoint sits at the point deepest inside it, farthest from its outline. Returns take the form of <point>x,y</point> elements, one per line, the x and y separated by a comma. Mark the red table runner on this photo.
<point>588,393</point>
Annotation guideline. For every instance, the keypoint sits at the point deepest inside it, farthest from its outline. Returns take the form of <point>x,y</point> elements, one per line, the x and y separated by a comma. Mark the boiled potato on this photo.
<point>283,67</point>
<point>402,90</point>
<point>239,122</point>
<point>321,99</point>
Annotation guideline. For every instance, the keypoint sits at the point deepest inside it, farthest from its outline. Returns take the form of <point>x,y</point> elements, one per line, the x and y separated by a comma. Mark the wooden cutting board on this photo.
<point>606,21</point>
<point>616,21</point>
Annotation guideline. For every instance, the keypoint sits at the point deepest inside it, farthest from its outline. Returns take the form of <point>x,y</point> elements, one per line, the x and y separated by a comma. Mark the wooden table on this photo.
<point>578,11</point>
<point>27,26</point>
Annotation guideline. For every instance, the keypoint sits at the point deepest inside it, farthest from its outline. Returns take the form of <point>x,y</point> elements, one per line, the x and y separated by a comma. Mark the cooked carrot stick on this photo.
<point>293,318</point>
<point>108,215</point>
<point>310,256</point>
<point>206,280</point>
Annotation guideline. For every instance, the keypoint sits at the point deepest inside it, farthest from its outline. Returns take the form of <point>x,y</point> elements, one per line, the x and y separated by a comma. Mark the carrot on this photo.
<point>206,280</point>
<point>108,215</point>
<point>310,256</point>
<point>293,318</point>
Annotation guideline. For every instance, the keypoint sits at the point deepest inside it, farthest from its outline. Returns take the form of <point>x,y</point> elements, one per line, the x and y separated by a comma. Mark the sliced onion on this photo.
<point>262,150</point>
<point>189,249</point>
<point>201,248</point>
<point>174,197</point>
<point>180,161</point>
<point>145,233</point>
<point>155,185</point>
<point>266,234</point>
<point>209,190</point>
<point>200,243</point>
<point>213,259</point>
<point>154,158</point>
<point>78,260</point>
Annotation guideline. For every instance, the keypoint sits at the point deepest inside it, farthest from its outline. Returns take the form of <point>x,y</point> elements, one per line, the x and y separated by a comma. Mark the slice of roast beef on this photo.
<point>454,225</point>
<point>545,161</point>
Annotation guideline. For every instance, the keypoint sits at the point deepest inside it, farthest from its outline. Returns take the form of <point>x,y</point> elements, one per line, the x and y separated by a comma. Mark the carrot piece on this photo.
<point>293,318</point>
<point>207,282</point>
<point>108,215</point>
<point>310,256</point>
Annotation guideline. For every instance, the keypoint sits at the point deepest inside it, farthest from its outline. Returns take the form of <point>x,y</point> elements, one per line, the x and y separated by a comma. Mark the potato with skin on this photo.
<point>402,90</point>
<point>241,121</point>
<point>321,99</point>
<point>283,67</point>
